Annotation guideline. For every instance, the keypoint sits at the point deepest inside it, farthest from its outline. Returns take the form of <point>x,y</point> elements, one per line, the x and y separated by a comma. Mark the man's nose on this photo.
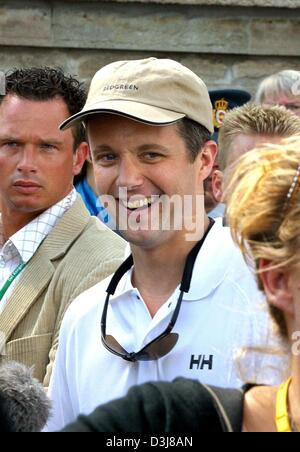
<point>28,160</point>
<point>130,175</point>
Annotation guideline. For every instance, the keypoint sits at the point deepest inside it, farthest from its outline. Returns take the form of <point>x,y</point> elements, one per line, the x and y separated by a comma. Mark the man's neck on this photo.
<point>13,221</point>
<point>158,271</point>
<point>91,178</point>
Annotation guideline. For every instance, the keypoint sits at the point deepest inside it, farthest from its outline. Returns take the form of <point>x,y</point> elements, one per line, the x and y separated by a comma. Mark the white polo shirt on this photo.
<point>220,315</point>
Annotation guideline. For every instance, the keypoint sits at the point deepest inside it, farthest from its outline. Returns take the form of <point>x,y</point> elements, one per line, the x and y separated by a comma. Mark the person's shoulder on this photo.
<point>221,234</point>
<point>96,232</point>
<point>98,247</point>
<point>88,304</point>
<point>224,252</point>
<point>238,276</point>
<point>226,246</point>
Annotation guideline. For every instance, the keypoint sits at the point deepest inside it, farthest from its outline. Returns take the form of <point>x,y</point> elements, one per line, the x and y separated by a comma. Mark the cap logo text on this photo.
<point>121,87</point>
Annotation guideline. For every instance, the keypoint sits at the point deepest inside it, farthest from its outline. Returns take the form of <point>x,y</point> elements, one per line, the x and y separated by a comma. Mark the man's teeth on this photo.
<point>139,203</point>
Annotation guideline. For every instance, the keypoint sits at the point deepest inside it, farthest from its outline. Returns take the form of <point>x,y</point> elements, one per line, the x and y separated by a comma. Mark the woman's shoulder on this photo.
<point>259,409</point>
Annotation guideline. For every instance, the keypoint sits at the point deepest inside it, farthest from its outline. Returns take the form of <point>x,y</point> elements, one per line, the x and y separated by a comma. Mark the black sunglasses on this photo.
<point>165,342</point>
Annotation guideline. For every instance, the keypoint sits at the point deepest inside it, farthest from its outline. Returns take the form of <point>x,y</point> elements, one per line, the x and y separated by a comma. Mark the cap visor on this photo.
<point>133,110</point>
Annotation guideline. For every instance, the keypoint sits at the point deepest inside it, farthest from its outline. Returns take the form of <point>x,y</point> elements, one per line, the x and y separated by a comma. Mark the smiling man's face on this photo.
<point>149,164</point>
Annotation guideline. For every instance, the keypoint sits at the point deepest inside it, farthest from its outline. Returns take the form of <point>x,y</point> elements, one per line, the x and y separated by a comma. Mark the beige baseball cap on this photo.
<point>153,91</point>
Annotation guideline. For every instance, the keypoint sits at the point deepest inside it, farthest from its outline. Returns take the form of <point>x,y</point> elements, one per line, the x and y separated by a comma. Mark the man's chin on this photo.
<point>28,208</point>
<point>145,239</point>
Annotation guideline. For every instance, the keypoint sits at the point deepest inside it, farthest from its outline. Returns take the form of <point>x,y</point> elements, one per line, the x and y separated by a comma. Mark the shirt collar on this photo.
<point>209,270</point>
<point>213,262</point>
<point>218,211</point>
<point>28,239</point>
<point>125,285</point>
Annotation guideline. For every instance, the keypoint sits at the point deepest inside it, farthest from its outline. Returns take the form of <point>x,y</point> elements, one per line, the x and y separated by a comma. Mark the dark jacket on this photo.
<point>181,406</point>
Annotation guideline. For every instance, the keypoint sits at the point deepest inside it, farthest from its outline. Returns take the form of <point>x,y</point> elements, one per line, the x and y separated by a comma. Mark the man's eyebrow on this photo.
<point>9,138</point>
<point>153,147</point>
<point>101,148</point>
<point>53,141</point>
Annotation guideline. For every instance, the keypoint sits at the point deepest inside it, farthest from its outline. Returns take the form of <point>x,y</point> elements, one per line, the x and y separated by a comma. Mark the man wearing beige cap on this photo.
<point>183,302</point>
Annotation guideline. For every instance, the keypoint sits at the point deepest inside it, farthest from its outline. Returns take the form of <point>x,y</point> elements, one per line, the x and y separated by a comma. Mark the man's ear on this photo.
<point>217,185</point>
<point>80,156</point>
<point>276,286</point>
<point>207,156</point>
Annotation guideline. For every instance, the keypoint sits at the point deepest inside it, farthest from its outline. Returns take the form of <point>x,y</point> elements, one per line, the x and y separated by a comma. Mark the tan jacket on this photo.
<point>79,252</point>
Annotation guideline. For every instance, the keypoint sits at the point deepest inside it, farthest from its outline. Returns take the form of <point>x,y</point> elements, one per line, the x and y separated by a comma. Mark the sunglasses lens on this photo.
<point>114,345</point>
<point>158,349</point>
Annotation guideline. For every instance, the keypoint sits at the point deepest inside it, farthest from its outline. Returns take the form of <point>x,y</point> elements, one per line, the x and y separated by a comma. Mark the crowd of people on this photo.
<point>149,252</point>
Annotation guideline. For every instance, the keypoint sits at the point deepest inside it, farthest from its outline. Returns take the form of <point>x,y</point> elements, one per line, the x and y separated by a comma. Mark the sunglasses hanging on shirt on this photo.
<point>166,341</point>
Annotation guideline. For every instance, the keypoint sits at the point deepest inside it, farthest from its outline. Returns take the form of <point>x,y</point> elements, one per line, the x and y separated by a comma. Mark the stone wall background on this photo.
<point>229,43</point>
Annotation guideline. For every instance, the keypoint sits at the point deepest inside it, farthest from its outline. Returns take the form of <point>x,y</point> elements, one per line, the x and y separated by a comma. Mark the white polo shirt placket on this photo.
<point>146,328</point>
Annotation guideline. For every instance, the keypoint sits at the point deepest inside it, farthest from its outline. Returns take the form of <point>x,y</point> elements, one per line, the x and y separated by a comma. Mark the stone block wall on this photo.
<point>229,43</point>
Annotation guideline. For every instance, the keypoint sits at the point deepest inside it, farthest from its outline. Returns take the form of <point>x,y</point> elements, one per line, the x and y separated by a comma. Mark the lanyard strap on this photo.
<point>282,416</point>
<point>11,279</point>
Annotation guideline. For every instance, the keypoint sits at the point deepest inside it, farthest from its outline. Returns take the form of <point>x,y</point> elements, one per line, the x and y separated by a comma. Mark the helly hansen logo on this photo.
<point>202,362</point>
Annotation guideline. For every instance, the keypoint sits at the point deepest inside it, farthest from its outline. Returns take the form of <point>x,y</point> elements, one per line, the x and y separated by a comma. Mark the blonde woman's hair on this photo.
<point>265,223</point>
<point>251,119</point>
<point>285,82</point>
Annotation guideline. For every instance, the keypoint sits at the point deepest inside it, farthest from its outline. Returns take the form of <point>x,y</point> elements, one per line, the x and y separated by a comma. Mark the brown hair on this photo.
<point>194,135</point>
<point>45,83</point>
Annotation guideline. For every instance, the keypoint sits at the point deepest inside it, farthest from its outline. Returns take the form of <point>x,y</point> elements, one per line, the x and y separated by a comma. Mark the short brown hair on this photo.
<point>251,119</point>
<point>45,83</point>
<point>194,135</point>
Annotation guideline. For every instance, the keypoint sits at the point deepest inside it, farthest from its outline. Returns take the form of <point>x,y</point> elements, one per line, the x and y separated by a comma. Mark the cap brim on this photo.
<point>147,114</point>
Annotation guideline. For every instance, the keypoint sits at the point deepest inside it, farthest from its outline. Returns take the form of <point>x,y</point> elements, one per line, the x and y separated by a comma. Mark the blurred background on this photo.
<point>229,43</point>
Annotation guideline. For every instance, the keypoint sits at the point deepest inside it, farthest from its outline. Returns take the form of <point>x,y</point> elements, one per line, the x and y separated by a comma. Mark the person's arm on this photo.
<point>59,391</point>
<point>181,406</point>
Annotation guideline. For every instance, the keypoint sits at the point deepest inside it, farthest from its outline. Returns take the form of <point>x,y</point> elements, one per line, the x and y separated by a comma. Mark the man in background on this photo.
<point>223,100</point>
<point>282,88</point>
<point>245,128</point>
<point>51,249</point>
